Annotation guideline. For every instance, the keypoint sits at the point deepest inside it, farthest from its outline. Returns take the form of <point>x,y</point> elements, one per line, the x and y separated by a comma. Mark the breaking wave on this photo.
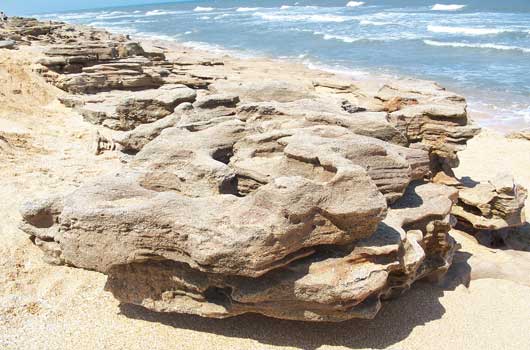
<point>246,9</point>
<point>159,13</point>
<point>302,18</point>
<point>203,9</point>
<point>465,30</point>
<point>477,46</point>
<point>354,4</point>
<point>443,7</point>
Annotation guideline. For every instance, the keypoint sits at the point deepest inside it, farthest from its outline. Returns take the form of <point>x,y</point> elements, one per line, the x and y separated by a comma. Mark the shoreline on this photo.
<point>483,117</point>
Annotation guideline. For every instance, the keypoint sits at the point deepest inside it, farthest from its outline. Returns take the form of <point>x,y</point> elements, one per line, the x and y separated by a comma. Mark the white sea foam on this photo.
<point>366,22</point>
<point>203,9</point>
<point>109,16</point>
<point>302,18</point>
<point>342,71</point>
<point>74,16</point>
<point>102,24</point>
<point>160,13</point>
<point>343,38</point>
<point>477,46</point>
<point>465,30</point>
<point>354,4</point>
<point>247,9</point>
<point>524,114</point>
<point>444,7</point>
<point>151,36</point>
<point>285,7</point>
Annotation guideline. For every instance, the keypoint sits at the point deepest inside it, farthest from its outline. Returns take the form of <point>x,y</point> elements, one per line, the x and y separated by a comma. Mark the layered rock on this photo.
<point>522,135</point>
<point>125,110</point>
<point>305,199</point>
<point>495,205</point>
<point>332,284</point>
<point>315,240</point>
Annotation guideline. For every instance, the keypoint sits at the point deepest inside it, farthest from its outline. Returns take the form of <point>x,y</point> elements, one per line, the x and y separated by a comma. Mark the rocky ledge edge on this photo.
<point>297,196</point>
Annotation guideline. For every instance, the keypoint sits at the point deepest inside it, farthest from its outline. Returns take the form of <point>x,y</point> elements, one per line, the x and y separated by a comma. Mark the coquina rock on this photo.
<point>223,220</point>
<point>495,205</point>
<point>298,198</point>
<point>124,110</point>
<point>522,135</point>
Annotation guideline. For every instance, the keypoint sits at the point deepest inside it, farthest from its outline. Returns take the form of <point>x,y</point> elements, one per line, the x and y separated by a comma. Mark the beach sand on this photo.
<point>51,307</point>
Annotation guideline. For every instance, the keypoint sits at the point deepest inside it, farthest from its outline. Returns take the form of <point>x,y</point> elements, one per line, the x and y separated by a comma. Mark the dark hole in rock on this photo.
<point>219,296</point>
<point>470,209</point>
<point>229,186</point>
<point>348,107</point>
<point>43,219</point>
<point>246,185</point>
<point>130,152</point>
<point>223,155</point>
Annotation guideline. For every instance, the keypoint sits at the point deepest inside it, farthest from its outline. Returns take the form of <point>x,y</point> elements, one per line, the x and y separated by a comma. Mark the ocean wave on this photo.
<point>343,38</point>
<point>160,13</point>
<point>113,13</point>
<point>336,69</point>
<point>117,16</point>
<point>247,9</point>
<point>354,4</point>
<point>365,22</point>
<point>477,46</point>
<point>203,9</point>
<point>302,18</point>
<point>524,114</point>
<point>106,24</point>
<point>74,16</point>
<point>221,50</point>
<point>465,30</point>
<point>151,36</point>
<point>444,7</point>
<point>287,7</point>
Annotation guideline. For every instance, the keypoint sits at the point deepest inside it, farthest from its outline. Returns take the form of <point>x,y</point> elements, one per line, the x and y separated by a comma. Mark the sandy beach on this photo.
<point>483,303</point>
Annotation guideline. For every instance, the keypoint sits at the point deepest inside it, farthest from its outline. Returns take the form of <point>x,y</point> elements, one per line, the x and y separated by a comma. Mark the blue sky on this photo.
<point>27,7</point>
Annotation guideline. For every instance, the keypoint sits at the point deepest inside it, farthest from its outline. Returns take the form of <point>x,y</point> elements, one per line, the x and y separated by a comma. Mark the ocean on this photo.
<point>479,48</point>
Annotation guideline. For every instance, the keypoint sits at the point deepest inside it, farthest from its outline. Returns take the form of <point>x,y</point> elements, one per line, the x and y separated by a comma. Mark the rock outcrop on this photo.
<point>522,135</point>
<point>125,110</point>
<point>306,200</point>
<point>492,206</point>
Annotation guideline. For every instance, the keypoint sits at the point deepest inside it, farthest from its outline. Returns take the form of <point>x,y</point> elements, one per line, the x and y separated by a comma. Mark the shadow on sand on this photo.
<point>394,323</point>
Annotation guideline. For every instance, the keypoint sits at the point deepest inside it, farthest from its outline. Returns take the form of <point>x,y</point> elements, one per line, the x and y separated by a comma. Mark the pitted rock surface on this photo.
<point>306,199</point>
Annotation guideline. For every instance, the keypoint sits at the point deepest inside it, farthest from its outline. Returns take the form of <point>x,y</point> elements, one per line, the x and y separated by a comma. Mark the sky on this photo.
<point>28,7</point>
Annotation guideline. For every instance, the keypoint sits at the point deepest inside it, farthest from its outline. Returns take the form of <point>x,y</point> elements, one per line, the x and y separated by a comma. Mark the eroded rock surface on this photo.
<point>244,190</point>
<point>495,205</point>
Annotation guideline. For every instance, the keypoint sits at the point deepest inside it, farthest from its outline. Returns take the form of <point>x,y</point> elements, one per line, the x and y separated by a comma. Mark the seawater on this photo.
<point>480,48</point>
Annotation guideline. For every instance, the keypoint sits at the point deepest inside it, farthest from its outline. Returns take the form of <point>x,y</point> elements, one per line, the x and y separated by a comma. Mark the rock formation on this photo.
<point>306,200</point>
<point>522,135</point>
<point>491,211</point>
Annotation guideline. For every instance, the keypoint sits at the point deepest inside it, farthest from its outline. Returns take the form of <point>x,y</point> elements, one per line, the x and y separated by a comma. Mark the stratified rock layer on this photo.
<point>306,200</point>
<point>495,205</point>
